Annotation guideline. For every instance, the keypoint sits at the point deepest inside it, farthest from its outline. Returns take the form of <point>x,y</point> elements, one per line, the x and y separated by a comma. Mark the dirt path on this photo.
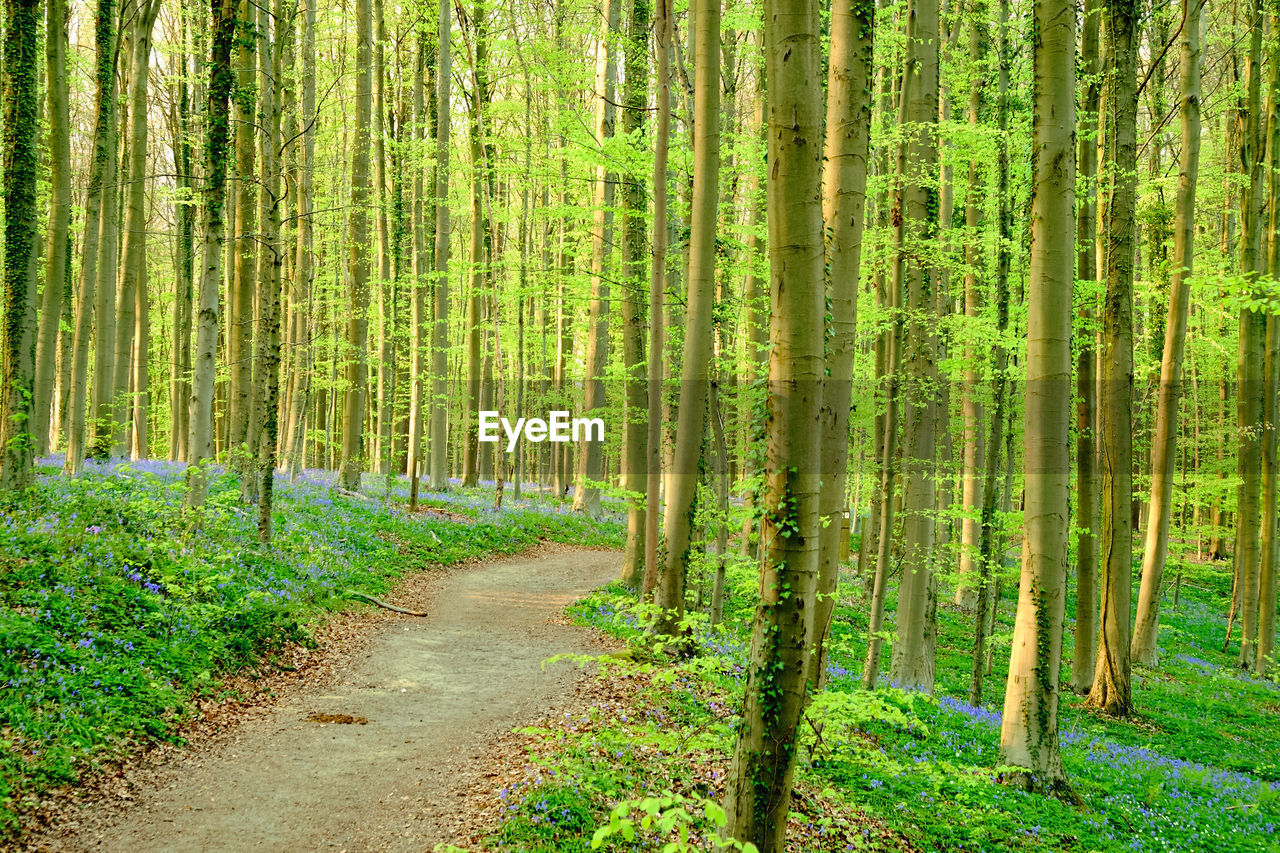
<point>435,692</point>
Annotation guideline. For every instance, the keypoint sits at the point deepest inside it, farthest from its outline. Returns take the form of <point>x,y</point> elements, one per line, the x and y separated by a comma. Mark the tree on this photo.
<point>95,200</point>
<point>217,144</point>
<point>912,665</point>
<point>1086,628</point>
<point>1252,347</point>
<point>20,93</point>
<point>758,788</point>
<point>1110,691</point>
<point>357,369</point>
<point>844,196</point>
<point>586,495</point>
<point>634,462</point>
<point>1029,724</point>
<point>440,334</point>
<point>695,375</point>
<point>1144,649</point>
<point>131,295</point>
<point>55,275</point>
<point>657,287</point>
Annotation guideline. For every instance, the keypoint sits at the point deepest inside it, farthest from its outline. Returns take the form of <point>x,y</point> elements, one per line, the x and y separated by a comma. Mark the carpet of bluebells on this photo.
<point>1197,769</point>
<point>117,608</point>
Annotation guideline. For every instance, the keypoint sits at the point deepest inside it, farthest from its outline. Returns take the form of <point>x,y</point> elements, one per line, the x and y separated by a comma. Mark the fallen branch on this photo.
<point>383,604</point>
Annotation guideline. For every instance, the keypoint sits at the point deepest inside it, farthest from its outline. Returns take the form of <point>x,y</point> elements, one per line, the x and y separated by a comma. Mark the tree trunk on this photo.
<point>844,196</point>
<point>1086,627</point>
<point>55,276</point>
<point>133,274</point>
<point>758,787</point>
<point>682,480</point>
<point>1029,724</point>
<point>662,37</point>
<point>217,138</point>
<point>440,334</point>
<point>912,663</point>
<point>100,173</point>
<point>353,409</point>
<point>1252,333</point>
<point>1110,692</point>
<point>20,90</point>
<point>268,337</point>
<point>1271,552</point>
<point>1144,649</point>
<point>971,409</point>
<point>586,495</point>
<point>634,463</point>
<point>243,278</point>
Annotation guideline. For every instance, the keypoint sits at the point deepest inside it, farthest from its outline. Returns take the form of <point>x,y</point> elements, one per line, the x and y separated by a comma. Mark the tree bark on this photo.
<point>55,276</point>
<point>1029,724</point>
<point>844,196</point>
<point>912,663</point>
<point>1084,652</point>
<point>634,461</point>
<point>1110,692</point>
<point>695,375</point>
<point>100,173</point>
<point>1144,648</point>
<point>358,264</point>
<point>440,333</point>
<point>758,788</point>
<point>20,90</point>
<point>217,142</point>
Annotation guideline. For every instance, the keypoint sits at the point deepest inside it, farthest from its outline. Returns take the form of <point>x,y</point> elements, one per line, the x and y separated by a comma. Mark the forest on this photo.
<point>547,425</point>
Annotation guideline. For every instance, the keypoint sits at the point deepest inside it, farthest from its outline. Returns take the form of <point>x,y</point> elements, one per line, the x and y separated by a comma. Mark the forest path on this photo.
<point>436,691</point>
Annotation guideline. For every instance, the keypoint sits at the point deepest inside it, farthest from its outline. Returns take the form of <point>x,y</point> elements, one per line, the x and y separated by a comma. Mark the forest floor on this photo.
<point>376,755</point>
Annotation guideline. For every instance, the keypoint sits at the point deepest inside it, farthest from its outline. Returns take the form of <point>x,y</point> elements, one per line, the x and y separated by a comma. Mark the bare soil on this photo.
<point>380,753</point>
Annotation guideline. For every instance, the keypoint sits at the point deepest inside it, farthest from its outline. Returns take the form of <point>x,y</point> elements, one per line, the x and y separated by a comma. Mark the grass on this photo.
<point>117,608</point>
<point>1195,770</point>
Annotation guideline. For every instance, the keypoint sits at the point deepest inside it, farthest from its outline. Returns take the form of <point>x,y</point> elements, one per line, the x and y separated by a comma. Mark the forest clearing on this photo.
<point>749,425</point>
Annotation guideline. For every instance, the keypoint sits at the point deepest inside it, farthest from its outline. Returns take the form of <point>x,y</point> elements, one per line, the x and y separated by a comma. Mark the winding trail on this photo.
<point>435,691</point>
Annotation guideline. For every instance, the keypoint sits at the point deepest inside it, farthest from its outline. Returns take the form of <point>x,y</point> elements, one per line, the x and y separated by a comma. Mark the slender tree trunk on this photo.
<point>268,343</point>
<point>242,280</point>
<point>357,369</point>
<point>662,37</point>
<point>419,320</point>
<point>682,480</point>
<point>971,409</point>
<point>1029,724</point>
<point>1000,426</point>
<point>304,269</point>
<point>758,788</point>
<point>133,274</point>
<point>440,334</point>
<point>1086,626</point>
<point>20,90</point>
<point>1271,549</point>
<point>1252,346</point>
<point>217,139</point>
<point>1144,648</point>
<point>912,663</point>
<point>634,462</point>
<point>844,196</point>
<point>1110,692</point>
<point>586,496</point>
<point>95,199</point>
<point>55,276</point>
<point>184,266</point>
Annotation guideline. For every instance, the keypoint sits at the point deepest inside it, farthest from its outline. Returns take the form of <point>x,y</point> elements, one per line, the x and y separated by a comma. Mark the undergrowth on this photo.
<point>117,608</point>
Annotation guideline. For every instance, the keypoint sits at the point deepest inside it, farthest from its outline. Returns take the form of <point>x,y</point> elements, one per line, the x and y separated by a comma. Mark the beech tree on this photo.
<point>758,788</point>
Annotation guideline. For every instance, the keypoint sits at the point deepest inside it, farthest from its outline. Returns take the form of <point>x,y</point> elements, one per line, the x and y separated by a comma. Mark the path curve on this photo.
<point>436,691</point>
